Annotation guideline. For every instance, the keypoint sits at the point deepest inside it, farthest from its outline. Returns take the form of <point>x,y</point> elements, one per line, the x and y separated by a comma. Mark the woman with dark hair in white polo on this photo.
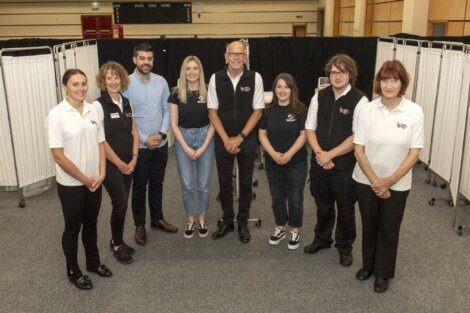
<point>388,137</point>
<point>76,139</point>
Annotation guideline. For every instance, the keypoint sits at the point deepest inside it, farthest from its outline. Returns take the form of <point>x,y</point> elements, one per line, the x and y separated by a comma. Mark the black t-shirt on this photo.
<point>194,113</point>
<point>283,129</point>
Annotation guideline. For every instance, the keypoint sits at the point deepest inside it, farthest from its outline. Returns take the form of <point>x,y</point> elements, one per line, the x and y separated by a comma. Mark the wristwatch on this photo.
<point>163,135</point>
<point>242,135</point>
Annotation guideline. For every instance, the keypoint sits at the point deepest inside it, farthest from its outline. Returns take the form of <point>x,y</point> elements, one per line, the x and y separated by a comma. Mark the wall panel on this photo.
<point>61,19</point>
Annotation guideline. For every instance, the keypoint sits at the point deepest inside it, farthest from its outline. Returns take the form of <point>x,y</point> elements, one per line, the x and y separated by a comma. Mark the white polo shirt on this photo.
<point>79,135</point>
<point>258,96</point>
<point>312,115</point>
<point>387,137</point>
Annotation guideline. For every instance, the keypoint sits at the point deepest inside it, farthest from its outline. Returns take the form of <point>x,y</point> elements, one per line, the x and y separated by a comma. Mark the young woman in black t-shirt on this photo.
<point>194,147</point>
<point>282,135</point>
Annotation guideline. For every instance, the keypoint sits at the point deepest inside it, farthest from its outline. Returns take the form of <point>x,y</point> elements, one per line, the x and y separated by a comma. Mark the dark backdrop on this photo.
<point>304,58</point>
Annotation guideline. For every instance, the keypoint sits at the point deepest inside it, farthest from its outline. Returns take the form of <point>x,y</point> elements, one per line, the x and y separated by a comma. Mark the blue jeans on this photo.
<point>287,183</point>
<point>195,137</point>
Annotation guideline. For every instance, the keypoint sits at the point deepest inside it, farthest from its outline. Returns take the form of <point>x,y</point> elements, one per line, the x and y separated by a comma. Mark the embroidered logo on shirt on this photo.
<point>290,118</point>
<point>245,89</point>
<point>94,122</point>
<point>402,126</point>
<point>343,111</point>
<point>128,114</point>
<point>201,100</point>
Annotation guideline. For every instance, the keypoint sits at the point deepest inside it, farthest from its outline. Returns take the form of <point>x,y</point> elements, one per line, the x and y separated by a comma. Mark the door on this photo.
<point>299,30</point>
<point>97,26</point>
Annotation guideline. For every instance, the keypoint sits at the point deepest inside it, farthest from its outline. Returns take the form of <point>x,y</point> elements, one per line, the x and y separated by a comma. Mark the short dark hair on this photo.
<point>69,73</point>
<point>343,61</point>
<point>392,69</point>
<point>145,47</point>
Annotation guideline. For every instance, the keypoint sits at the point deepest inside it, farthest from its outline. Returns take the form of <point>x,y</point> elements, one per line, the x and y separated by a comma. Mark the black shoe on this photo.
<point>129,249</point>
<point>222,230</point>
<point>362,274</point>
<point>314,247</point>
<point>122,255</point>
<point>380,285</point>
<point>101,270</point>
<point>80,281</point>
<point>244,233</point>
<point>345,258</point>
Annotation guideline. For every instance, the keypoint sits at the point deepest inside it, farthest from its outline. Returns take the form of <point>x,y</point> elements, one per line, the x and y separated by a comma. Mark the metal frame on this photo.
<point>460,227</point>
<point>61,48</point>
<point>21,201</point>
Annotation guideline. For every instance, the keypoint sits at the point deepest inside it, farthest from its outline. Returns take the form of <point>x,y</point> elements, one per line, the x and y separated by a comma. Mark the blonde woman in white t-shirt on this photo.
<point>76,139</point>
<point>387,138</point>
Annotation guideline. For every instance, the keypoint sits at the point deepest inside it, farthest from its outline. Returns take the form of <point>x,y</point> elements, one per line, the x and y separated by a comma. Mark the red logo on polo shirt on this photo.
<point>245,89</point>
<point>401,125</point>
<point>94,122</point>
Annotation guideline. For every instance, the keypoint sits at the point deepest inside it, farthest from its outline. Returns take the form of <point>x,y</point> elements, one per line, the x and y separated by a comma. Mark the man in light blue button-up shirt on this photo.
<point>148,94</point>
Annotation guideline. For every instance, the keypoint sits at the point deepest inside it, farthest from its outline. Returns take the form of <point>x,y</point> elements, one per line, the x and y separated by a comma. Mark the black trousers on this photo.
<point>381,221</point>
<point>150,170</point>
<point>286,184</point>
<point>80,207</point>
<point>329,187</point>
<point>118,186</point>
<point>225,163</point>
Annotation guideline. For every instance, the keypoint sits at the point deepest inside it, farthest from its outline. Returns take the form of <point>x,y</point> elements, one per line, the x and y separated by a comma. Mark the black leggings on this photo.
<point>80,207</point>
<point>118,186</point>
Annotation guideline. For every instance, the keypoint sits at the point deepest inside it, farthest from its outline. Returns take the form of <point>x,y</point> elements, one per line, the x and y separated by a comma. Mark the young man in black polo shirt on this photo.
<point>329,131</point>
<point>235,100</point>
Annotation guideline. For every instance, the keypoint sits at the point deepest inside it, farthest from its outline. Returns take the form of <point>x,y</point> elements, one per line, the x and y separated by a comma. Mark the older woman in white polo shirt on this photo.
<point>387,138</point>
<point>76,139</point>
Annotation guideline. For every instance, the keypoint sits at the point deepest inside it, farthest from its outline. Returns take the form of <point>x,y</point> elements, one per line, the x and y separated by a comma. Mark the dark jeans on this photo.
<point>225,162</point>
<point>118,186</point>
<point>80,207</point>
<point>287,183</point>
<point>381,221</point>
<point>150,169</point>
<point>328,187</point>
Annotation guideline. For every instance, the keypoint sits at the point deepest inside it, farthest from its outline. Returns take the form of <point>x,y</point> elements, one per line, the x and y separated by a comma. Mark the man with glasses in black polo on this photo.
<point>235,100</point>
<point>329,131</point>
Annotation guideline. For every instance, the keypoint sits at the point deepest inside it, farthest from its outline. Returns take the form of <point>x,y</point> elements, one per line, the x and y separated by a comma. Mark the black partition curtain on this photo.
<point>305,59</point>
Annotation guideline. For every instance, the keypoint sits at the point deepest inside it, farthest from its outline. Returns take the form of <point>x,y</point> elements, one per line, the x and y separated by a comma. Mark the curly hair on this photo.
<point>116,69</point>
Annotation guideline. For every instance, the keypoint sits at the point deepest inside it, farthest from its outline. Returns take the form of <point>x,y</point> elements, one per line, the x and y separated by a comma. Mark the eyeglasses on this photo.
<point>340,74</point>
<point>236,54</point>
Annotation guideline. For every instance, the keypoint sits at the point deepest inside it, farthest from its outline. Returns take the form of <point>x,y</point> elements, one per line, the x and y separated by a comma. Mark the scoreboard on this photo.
<point>152,13</point>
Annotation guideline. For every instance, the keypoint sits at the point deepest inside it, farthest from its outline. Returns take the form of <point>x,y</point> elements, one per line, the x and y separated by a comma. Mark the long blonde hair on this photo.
<point>182,88</point>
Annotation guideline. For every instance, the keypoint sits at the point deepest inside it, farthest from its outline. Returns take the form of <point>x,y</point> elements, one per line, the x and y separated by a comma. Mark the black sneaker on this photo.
<point>278,236</point>
<point>294,241</point>
<point>203,231</point>
<point>189,230</point>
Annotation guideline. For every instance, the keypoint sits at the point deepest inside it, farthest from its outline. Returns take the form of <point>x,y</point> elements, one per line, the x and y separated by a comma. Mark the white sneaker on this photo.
<point>294,241</point>
<point>278,236</point>
<point>189,230</point>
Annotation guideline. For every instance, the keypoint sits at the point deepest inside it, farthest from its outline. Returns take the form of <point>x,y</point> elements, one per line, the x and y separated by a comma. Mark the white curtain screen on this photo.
<point>465,167</point>
<point>7,165</point>
<point>408,56</point>
<point>426,90</point>
<point>86,58</point>
<point>447,110</point>
<point>30,86</point>
<point>384,53</point>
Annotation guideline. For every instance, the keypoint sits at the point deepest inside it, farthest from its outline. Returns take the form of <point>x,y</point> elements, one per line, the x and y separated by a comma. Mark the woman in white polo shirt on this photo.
<point>388,137</point>
<point>76,139</point>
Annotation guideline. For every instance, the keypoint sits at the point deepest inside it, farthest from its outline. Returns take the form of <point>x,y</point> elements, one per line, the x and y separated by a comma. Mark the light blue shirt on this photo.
<point>150,107</point>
